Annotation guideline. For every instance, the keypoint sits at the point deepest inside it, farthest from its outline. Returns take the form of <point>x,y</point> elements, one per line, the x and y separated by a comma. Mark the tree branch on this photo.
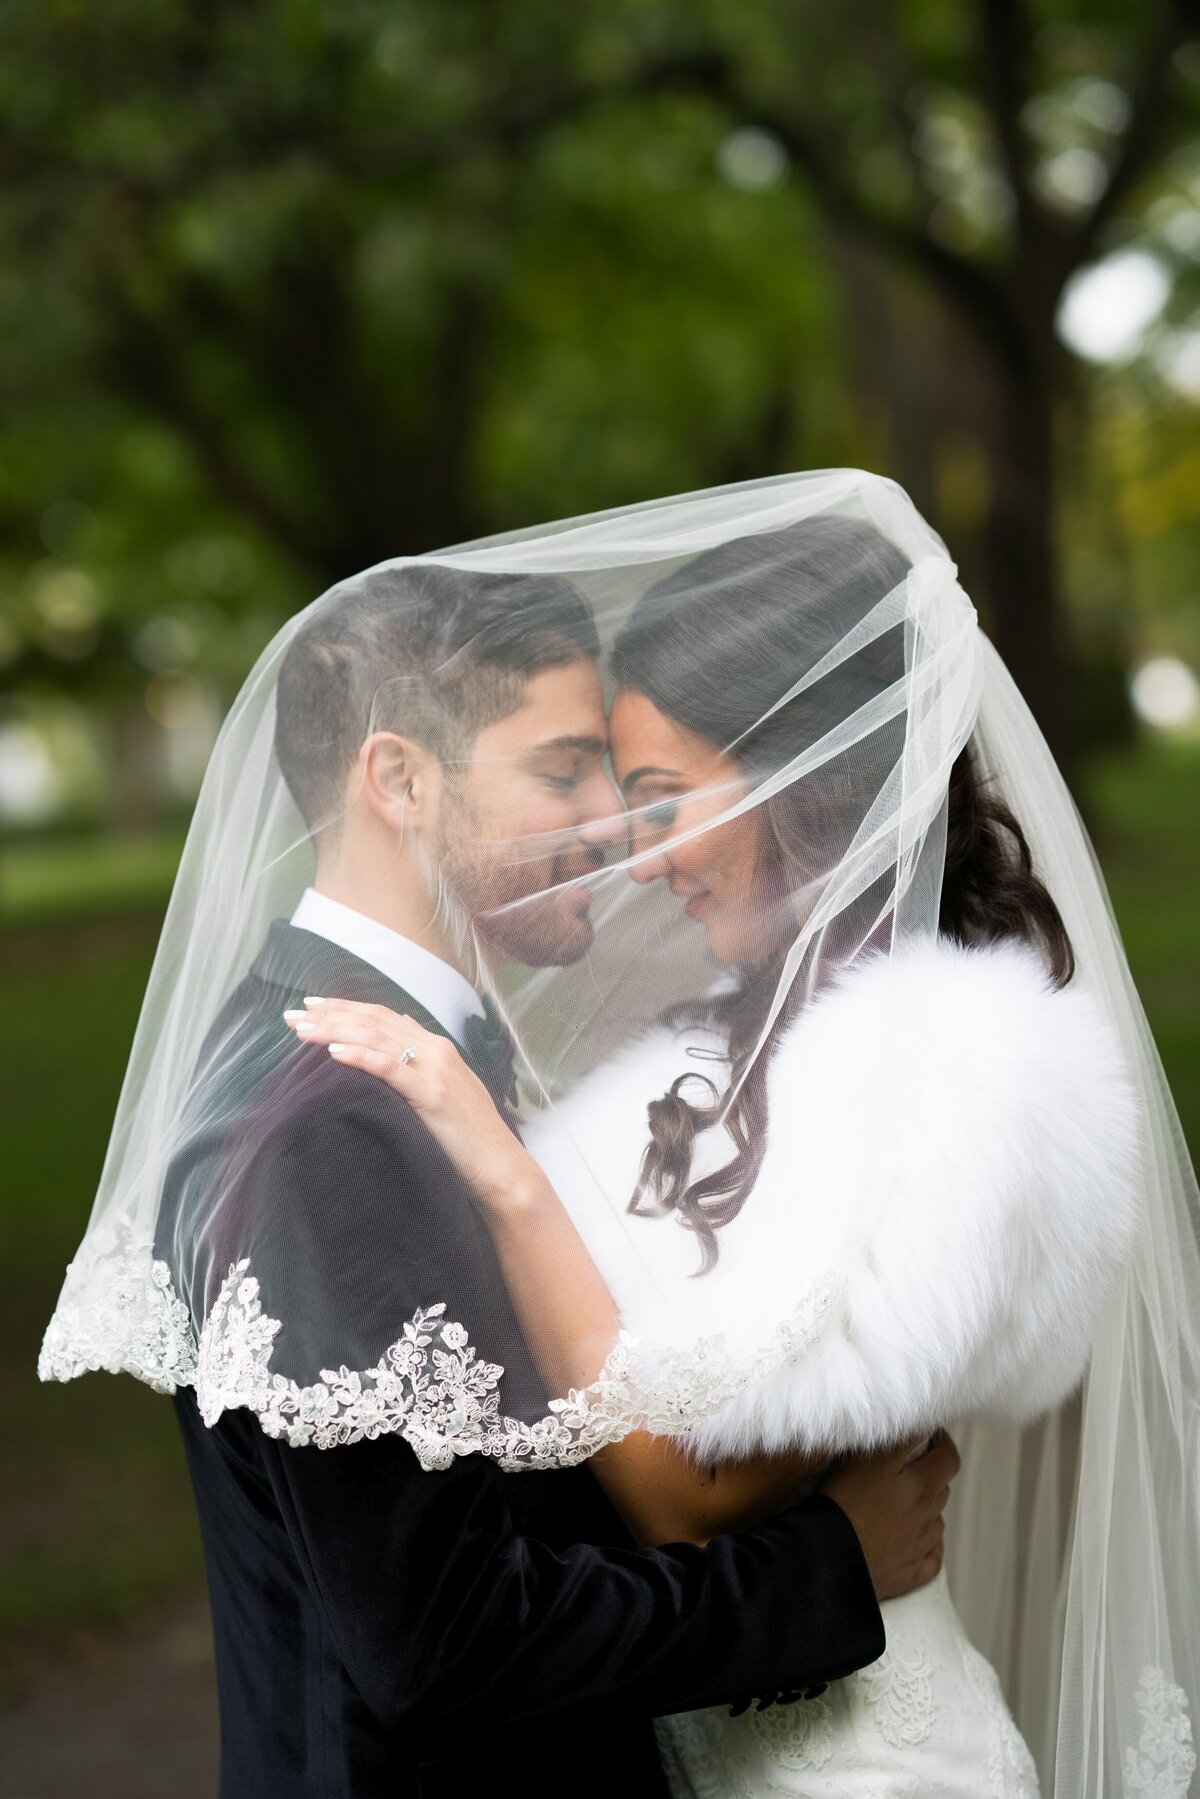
<point>1146,98</point>
<point>1003,41</point>
<point>514,125</point>
<point>963,284</point>
<point>509,129</point>
<point>140,355</point>
<point>882,45</point>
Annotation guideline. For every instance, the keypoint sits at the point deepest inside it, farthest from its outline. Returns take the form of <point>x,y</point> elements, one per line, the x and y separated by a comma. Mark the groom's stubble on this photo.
<point>520,905</point>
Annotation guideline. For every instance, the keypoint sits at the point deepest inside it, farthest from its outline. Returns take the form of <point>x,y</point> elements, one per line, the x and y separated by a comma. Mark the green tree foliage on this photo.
<point>293,287</point>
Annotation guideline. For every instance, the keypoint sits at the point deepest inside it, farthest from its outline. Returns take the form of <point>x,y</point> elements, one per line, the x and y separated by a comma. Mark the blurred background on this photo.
<point>289,288</point>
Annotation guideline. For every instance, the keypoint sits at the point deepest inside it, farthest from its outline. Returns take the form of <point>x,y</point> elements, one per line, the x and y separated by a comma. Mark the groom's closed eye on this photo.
<point>564,765</point>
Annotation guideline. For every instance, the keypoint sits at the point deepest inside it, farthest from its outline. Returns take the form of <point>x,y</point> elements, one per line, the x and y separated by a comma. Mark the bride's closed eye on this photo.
<point>659,817</point>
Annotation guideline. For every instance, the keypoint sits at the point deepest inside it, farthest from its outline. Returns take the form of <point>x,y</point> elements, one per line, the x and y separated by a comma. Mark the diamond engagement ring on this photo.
<point>409,1054</point>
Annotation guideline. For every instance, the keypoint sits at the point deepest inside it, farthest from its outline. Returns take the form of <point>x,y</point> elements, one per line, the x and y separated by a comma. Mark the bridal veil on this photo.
<point>1075,1540</point>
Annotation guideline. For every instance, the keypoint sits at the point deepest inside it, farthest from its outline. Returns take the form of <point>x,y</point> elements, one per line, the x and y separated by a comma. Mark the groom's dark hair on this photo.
<point>432,653</point>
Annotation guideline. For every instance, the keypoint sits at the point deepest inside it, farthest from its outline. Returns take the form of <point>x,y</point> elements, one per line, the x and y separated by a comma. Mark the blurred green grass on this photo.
<point>43,882</point>
<point>1144,810</point>
<point>96,1518</point>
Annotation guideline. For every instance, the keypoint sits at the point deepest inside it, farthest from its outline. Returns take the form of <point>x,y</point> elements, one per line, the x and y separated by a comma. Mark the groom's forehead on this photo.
<point>565,703</point>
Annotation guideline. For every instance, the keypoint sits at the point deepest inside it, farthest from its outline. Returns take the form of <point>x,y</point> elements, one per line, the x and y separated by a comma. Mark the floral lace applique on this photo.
<point>1164,1761</point>
<point>899,1688</point>
<point>121,1315</point>
<point>795,1737</point>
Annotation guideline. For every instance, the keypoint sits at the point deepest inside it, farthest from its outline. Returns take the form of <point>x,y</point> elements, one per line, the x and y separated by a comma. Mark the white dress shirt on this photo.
<point>441,989</point>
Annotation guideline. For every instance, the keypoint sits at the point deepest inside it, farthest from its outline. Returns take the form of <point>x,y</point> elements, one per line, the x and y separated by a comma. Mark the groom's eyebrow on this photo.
<point>587,746</point>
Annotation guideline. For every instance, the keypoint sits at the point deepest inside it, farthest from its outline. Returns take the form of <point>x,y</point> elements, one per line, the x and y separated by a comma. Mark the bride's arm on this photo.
<point>564,1308</point>
<point>568,1318</point>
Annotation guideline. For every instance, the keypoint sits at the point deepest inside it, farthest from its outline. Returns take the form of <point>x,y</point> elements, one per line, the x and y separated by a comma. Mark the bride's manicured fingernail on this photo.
<point>294,1015</point>
<point>313,999</point>
<point>338,1049</point>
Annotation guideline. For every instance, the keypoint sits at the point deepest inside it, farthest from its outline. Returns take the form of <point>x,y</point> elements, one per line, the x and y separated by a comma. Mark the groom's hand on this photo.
<point>895,1502</point>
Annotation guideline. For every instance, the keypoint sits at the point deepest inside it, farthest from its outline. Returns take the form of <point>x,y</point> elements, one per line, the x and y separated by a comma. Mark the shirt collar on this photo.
<point>441,989</point>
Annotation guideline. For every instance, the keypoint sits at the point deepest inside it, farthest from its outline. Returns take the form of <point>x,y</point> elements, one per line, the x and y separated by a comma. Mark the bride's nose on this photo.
<point>652,868</point>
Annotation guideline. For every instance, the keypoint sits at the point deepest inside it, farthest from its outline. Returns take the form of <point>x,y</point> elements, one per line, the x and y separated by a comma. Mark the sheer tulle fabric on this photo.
<point>180,1278</point>
<point>1074,1549</point>
<point>1075,1540</point>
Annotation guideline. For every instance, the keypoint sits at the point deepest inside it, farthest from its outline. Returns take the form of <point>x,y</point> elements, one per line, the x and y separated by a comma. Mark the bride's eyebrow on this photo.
<point>649,773</point>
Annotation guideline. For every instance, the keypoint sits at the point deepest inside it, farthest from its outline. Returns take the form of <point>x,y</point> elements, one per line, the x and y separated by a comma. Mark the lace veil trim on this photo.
<point>121,1313</point>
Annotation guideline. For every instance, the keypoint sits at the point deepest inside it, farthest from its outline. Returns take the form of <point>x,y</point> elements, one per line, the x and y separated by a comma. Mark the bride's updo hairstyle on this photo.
<point>710,650</point>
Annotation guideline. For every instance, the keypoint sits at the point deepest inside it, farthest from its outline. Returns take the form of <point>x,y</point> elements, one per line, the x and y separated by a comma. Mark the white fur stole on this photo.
<point>951,1138</point>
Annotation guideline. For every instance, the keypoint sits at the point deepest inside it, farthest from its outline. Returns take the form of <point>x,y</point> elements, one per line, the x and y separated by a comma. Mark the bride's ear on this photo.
<point>399,780</point>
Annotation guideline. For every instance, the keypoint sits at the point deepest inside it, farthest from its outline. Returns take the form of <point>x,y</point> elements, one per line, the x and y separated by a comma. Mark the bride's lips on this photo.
<point>695,904</point>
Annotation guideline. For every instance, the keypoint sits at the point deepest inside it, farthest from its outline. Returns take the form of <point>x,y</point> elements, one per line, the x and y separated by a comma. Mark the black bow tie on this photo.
<point>490,1051</point>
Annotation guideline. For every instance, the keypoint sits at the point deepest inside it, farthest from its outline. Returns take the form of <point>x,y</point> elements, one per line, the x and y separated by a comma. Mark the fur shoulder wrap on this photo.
<point>951,1138</point>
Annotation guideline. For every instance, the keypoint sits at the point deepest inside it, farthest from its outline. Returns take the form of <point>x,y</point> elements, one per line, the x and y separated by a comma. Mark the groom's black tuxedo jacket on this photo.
<point>381,1630</point>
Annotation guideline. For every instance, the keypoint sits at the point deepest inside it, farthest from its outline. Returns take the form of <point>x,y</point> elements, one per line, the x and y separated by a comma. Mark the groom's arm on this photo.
<point>446,1618</point>
<point>443,1614</point>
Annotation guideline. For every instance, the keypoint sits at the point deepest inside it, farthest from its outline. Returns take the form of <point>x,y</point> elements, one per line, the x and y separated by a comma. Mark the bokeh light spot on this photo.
<point>1165,692</point>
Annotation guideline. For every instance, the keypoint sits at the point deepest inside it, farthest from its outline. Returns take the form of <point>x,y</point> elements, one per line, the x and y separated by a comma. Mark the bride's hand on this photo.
<point>428,1072</point>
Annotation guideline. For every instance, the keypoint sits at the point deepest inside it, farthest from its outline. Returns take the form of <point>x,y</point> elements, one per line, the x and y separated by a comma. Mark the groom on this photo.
<point>381,1629</point>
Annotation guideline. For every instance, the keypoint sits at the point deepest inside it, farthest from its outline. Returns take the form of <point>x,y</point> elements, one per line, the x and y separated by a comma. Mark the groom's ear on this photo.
<point>399,780</point>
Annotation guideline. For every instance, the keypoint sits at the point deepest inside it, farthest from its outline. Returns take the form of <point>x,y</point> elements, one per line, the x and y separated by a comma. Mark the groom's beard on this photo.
<point>520,910</point>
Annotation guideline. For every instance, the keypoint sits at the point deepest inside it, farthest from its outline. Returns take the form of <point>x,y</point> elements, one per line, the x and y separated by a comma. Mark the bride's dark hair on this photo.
<point>715,650</point>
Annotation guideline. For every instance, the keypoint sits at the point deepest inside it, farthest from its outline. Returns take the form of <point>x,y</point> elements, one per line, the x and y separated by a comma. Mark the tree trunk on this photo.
<point>1019,554</point>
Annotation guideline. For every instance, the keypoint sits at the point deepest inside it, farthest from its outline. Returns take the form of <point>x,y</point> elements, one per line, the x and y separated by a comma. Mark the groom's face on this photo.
<point>530,812</point>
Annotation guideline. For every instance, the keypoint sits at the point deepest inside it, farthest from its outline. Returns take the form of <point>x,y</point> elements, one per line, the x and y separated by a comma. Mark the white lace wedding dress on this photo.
<point>969,1224</point>
<point>927,1718</point>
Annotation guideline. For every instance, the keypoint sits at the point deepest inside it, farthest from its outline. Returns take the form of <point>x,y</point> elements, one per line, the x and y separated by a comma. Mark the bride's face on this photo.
<point>672,781</point>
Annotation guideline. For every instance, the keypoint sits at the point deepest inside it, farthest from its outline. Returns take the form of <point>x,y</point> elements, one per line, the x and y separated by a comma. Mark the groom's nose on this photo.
<point>605,824</point>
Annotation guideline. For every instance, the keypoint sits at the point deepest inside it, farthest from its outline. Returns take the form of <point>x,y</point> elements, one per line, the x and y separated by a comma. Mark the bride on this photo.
<point>924,1144</point>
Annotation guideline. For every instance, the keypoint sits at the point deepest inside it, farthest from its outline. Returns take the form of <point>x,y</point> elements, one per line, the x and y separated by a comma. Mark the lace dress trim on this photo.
<point>120,1312</point>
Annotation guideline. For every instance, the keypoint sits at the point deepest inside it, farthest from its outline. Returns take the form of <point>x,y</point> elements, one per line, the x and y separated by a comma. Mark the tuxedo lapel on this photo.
<point>295,962</point>
<point>299,962</point>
